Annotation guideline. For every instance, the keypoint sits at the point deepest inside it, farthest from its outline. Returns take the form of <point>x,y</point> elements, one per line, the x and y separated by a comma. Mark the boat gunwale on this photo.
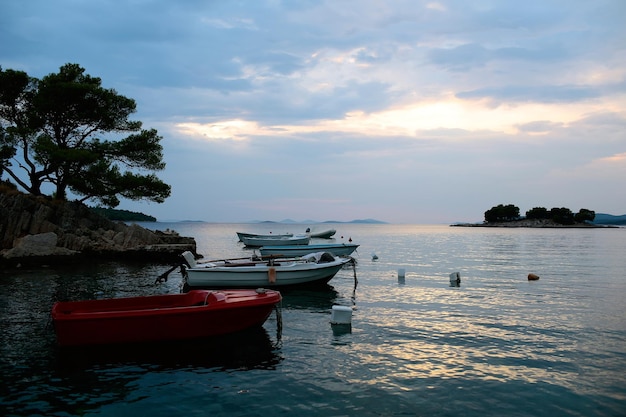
<point>59,312</point>
<point>280,267</point>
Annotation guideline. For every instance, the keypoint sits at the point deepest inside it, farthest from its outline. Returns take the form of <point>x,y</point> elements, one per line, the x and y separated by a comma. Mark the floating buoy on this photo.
<point>533,277</point>
<point>455,279</point>
<point>401,274</point>
<point>350,239</point>
<point>374,257</point>
<point>341,315</point>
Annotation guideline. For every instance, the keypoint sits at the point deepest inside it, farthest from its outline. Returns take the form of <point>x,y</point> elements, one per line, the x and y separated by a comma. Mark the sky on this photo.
<point>420,112</point>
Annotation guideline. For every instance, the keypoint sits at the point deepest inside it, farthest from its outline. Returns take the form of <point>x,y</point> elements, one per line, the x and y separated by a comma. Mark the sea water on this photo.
<point>497,344</point>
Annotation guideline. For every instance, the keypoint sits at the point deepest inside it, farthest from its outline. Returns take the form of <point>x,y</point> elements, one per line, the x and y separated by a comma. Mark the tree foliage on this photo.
<point>538,213</point>
<point>122,215</point>
<point>69,131</point>
<point>585,215</point>
<point>502,213</point>
<point>560,215</point>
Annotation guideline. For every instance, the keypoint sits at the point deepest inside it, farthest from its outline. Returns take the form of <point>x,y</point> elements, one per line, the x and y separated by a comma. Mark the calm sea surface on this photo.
<point>497,345</point>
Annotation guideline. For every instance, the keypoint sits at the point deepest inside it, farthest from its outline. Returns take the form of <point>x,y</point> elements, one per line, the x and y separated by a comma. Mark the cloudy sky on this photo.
<point>402,111</point>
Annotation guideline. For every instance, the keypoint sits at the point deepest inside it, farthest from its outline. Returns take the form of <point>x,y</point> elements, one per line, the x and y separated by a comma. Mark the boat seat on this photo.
<point>325,258</point>
<point>235,264</point>
<point>203,298</point>
<point>199,297</point>
<point>214,297</point>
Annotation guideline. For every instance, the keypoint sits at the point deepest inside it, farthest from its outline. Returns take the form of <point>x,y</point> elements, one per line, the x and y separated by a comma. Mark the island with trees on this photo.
<point>65,140</point>
<point>509,216</point>
<point>123,215</point>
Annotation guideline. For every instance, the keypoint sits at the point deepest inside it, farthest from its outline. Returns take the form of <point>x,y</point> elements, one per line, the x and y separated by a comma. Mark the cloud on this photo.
<point>325,109</point>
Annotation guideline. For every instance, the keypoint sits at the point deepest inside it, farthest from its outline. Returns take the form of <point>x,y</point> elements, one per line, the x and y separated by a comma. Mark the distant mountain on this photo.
<point>365,221</point>
<point>289,221</point>
<point>603,218</point>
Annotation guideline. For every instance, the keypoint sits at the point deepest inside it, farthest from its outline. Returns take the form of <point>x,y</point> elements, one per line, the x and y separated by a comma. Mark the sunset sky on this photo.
<point>401,111</point>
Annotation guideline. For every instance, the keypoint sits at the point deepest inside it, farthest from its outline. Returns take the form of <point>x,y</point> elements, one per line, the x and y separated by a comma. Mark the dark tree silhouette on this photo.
<point>67,130</point>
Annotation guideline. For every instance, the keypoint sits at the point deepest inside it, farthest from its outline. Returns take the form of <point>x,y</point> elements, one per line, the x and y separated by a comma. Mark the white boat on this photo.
<point>315,268</point>
<point>337,249</point>
<point>267,236</point>
<point>261,241</point>
<point>326,234</point>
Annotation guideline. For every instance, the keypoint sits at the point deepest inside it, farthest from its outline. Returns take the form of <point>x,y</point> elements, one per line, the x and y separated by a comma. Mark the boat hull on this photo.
<point>327,234</point>
<point>259,241</point>
<point>338,249</point>
<point>283,274</point>
<point>196,314</point>
<point>241,235</point>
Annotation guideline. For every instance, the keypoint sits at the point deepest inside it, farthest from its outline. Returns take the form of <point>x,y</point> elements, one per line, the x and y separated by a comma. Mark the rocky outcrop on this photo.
<point>39,229</point>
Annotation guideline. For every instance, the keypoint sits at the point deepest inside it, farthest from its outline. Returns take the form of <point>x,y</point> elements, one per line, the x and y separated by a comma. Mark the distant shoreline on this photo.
<point>536,223</point>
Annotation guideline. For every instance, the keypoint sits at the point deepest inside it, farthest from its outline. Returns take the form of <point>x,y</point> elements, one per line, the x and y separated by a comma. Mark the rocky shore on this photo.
<point>39,230</point>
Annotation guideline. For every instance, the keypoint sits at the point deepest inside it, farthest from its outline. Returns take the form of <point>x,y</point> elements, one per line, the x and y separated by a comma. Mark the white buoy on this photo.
<point>341,315</point>
<point>455,279</point>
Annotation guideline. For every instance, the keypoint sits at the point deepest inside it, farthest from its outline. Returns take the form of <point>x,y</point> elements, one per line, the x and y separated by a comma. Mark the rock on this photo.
<point>39,229</point>
<point>42,244</point>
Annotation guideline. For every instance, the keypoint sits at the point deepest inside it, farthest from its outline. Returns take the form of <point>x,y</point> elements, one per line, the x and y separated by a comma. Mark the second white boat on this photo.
<point>337,249</point>
<point>257,242</point>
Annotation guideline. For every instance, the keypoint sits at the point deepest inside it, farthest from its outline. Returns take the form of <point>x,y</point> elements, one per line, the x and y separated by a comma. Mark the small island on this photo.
<point>539,217</point>
<point>123,215</point>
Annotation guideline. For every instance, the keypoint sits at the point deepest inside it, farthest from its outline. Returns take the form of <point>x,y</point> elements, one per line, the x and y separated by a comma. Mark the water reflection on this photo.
<point>75,380</point>
<point>308,299</point>
<point>340,329</point>
<point>47,380</point>
<point>243,350</point>
<point>494,345</point>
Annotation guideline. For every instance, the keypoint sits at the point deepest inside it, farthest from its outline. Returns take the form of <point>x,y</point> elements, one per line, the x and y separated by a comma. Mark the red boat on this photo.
<point>195,314</point>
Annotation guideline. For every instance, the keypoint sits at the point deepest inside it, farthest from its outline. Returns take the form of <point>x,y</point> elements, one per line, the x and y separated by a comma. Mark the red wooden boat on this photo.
<point>195,314</point>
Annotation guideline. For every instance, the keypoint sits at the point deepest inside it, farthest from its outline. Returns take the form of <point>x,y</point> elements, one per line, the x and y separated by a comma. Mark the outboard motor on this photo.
<point>189,259</point>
